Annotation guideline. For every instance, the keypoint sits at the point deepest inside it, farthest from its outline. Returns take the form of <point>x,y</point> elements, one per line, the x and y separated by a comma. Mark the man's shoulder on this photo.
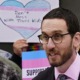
<point>44,74</point>
<point>48,70</point>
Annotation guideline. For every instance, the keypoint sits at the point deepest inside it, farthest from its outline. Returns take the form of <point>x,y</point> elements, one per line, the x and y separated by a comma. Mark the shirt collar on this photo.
<point>73,70</point>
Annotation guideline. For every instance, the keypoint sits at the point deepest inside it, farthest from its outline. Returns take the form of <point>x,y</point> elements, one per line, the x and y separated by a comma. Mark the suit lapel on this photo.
<point>79,77</point>
<point>51,74</point>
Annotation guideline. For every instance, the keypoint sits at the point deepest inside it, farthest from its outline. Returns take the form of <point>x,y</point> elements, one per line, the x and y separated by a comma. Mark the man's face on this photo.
<point>59,53</point>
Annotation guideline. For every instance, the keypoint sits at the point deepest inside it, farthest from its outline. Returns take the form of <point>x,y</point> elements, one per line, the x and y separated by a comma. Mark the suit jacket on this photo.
<point>47,74</point>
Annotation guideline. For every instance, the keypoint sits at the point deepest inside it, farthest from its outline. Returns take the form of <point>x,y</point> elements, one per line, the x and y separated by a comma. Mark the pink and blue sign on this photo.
<point>33,62</point>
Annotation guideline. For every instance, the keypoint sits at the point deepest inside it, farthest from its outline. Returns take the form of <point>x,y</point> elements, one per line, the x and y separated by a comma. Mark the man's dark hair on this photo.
<point>68,16</point>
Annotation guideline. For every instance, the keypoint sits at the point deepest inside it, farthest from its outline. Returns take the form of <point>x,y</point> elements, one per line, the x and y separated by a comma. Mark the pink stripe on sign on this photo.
<point>35,63</point>
<point>22,9</point>
<point>26,79</point>
<point>11,8</point>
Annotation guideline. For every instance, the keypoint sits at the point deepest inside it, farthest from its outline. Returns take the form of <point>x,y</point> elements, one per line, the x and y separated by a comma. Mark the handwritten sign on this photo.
<point>22,19</point>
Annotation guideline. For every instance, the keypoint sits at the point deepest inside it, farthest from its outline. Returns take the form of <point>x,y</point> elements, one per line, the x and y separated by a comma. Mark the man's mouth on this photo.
<point>53,54</point>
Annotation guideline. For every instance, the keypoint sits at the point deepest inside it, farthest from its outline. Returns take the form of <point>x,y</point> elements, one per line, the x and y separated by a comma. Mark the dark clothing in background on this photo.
<point>16,59</point>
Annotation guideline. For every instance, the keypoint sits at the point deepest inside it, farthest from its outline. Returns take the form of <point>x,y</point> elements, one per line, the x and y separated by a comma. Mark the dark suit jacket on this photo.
<point>47,74</point>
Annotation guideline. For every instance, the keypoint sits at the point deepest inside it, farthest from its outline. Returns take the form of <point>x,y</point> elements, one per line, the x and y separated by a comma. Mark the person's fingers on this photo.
<point>19,46</point>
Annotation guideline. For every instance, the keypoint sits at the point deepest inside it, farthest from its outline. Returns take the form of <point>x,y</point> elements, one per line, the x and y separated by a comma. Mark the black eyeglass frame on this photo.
<point>52,37</point>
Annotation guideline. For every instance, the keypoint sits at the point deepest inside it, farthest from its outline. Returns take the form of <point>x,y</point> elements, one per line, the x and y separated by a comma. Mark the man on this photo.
<point>60,38</point>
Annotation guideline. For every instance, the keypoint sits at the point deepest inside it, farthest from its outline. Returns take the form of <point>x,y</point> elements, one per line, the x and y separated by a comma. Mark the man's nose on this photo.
<point>50,44</point>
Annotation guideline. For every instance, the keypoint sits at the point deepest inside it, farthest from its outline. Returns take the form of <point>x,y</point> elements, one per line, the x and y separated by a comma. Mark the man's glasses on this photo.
<point>57,38</point>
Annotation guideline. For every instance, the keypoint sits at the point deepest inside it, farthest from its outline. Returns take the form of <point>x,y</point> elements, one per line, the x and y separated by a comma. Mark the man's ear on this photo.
<point>76,40</point>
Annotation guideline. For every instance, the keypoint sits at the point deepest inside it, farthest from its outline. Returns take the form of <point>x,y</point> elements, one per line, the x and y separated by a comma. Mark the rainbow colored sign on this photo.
<point>32,63</point>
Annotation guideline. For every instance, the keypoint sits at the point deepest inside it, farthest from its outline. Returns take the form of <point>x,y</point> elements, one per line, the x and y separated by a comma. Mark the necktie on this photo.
<point>62,77</point>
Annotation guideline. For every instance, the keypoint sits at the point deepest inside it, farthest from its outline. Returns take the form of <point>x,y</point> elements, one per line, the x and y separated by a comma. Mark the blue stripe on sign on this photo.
<point>30,55</point>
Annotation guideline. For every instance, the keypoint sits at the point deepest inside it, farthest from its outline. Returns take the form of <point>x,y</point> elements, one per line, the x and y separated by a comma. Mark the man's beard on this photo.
<point>63,58</point>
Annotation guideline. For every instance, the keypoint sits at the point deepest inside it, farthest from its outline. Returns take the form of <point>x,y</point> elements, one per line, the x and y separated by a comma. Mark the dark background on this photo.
<point>9,47</point>
<point>73,5</point>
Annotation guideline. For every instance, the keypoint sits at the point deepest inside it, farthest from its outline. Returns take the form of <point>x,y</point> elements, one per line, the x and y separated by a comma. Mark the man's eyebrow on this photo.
<point>53,33</point>
<point>57,31</point>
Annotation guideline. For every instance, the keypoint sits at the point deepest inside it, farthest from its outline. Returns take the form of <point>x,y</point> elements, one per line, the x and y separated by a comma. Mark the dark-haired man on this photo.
<point>60,39</point>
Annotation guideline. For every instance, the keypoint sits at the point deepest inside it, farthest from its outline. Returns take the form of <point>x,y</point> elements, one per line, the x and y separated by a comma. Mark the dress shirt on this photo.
<point>73,71</point>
